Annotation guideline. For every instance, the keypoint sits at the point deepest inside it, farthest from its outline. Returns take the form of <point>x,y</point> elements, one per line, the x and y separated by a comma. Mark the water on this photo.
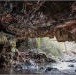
<point>66,67</point>
<point>58,68</point>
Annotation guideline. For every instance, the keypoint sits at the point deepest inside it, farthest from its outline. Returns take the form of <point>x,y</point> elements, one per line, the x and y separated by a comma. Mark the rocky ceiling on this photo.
<point>25,19</point>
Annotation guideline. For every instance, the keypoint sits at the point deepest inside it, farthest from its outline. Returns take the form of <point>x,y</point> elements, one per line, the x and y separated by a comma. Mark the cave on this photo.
<point>38,37</point>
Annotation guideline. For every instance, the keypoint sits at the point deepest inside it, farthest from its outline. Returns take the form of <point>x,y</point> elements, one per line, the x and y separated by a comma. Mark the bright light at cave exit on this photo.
<point>63,45</point>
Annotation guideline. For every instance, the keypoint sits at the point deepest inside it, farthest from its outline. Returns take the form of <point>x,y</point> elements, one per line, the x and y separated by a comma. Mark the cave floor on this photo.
<point>59,71</point>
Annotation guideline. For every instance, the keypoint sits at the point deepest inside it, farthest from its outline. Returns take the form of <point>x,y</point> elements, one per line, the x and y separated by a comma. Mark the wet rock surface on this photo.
<point>71,65</point>
<point>26,63</point>
<point>54,69</point>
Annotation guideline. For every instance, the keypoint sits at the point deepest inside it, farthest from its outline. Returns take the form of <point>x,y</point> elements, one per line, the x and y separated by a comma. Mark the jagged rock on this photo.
<point>75,70</point>
<point>62,32</point>
<point>71,65</point>
<point>30,19</point>
<point>50,60</point>
<point>50,69</point>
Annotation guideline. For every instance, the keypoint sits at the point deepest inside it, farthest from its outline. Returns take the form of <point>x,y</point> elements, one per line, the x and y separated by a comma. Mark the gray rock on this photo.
<point>71,65</point>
